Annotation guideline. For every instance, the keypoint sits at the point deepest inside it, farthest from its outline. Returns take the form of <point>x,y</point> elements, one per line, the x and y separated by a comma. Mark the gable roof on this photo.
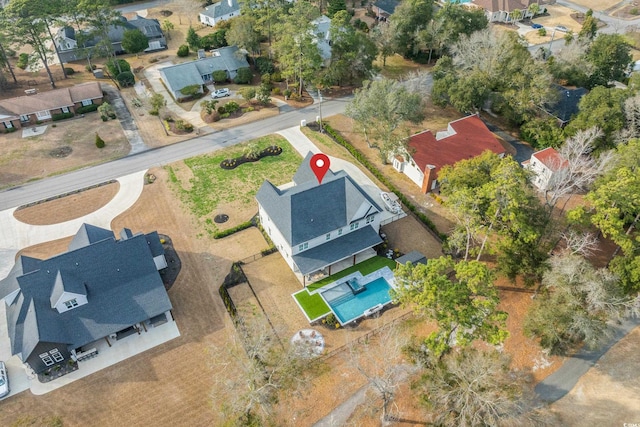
<point>188,73</point>
<point>308,209</point>
<point>466,138</point>
<point>222,8</point>
<point>567,104</point>
<point>502,5</point>
<point>149,27</point>
<point>388,6</point>
<point>119,278</point>
<point>51,99</point>
<point>550,158</point>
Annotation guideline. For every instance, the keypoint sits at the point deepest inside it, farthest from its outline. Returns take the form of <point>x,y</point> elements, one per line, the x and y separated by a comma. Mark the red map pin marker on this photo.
<point>319,165</point>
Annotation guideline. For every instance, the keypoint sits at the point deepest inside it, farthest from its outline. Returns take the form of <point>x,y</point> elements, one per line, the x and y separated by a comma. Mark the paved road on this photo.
<point>558,384</point>
<point>82,178</point>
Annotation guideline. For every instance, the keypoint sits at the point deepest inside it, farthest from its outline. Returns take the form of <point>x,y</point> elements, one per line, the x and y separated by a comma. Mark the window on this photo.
<point>46,359</point>
<point>370,219</point>
<point>65,109</point>
<point>354,225</point>
<point>86,102</point>
<point>328,236</point>
<point>303,246</point>
<point>71,303</point>
<point>339,231</point>
<point>8,125</point>
<point>24,117</point>
<point>43,115</point>
<point>57,356</point>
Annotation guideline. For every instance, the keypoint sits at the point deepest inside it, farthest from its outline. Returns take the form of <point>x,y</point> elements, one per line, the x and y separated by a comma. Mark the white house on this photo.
<point>545,164</point>
<point>502,10</point>
<point>464,138</point>
<point>322,37</point>
<point>221,11</point>
<point>320,229</point>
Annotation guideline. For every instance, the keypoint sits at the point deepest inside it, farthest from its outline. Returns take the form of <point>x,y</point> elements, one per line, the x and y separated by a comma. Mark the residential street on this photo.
<point>83,178</point>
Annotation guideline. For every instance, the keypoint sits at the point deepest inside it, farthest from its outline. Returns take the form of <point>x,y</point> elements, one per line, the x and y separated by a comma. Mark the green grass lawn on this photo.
<point>212,186</point>
<point>313,304</point>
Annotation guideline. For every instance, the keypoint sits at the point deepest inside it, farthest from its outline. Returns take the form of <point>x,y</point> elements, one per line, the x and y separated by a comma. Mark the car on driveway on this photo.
<point>4,380</point>
<point>220,93</point>
<point>537,26</point>
<point>562,28</point>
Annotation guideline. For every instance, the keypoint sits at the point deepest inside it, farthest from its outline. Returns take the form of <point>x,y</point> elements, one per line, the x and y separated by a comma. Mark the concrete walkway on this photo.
<point>304,145</point>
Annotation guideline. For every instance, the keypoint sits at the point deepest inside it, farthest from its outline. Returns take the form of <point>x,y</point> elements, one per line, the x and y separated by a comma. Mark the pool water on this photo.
<point>348,306</point>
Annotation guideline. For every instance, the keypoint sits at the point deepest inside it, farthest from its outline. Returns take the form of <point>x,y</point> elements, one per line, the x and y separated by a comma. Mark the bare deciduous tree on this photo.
<point>584,244</point>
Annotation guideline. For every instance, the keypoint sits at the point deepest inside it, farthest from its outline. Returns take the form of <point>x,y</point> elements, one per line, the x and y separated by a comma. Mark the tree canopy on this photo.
<point>134,41</point>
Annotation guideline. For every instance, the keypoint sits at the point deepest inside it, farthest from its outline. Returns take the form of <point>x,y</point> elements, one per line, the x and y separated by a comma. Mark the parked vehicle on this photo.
<point>537,26</point>
<point>4,380</point>
<point>220,93</point>
<point>562,28</point>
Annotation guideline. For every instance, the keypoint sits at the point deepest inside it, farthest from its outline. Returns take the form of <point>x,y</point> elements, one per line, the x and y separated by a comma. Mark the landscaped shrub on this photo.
<point>126,79</point>
<point>87,108</point>
<point>286,93</point>
<point>221,110</point>
<point>330,320</point>
<point>185,126</point>
<point>61,116</point>
<point>542,32</point>
<point>230,231</point>
<point>231,107</point>
<point>99,141</point>
<point>23,61</point>
<point>191,90</point>
<point>69,71</point>
<point>214,40</point>
<point>248,109</point>
<point>264,65</point>
<point>112,66</point>
<point>275,91</point>
<point>244,76</point>
<point>276,76</point>
<point>90,68</point>
<point>183,51</point>
<point>219,76</point>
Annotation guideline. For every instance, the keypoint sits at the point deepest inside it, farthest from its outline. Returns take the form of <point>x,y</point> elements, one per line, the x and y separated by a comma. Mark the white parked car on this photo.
<point>562,28</point>
<point>220,93</point>
<point>4,380</point>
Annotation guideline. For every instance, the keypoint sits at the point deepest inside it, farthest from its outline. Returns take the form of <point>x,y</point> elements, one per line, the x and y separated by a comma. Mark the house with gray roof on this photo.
<point>221,11</point>
<point>101,288</point>
<point>66,39</point>
<point>320,229</point>
<point>320,28</point>
<point>200,72</point>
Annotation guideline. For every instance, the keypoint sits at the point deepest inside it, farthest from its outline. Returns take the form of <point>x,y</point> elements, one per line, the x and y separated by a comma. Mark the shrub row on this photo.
<point>376,172</point>
<point>230,231</point>
<point>61,116</point>
<point>87,108</point>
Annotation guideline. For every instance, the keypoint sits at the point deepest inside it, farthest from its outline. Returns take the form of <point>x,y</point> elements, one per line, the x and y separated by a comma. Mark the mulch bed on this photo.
<point>174,265</point>
<point>229,164</point>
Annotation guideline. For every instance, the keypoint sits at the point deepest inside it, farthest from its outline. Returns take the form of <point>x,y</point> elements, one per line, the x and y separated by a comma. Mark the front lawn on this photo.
<point>312,303</point>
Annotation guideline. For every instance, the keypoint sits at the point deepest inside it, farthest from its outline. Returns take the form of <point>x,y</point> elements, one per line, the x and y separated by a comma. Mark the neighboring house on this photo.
<point>218,12</point>
<point>30,109</point>
<point>545,165</point>
<point>501,10</point>
<point>319,229</point>
<point>566,106</point>
<point>384,8</point>
<point>464,138</point>
<point>322,37</point>
<point>66,39</point>
<point>200,71</point>
<point>100,289</point>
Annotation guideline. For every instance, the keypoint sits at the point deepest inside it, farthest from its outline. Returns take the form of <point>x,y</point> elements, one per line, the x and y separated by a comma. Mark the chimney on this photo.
<point>429,177</point>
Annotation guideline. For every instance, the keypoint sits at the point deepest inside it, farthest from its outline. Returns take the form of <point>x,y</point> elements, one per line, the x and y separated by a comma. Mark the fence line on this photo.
<point>362,338</point>
<point>393,218</point>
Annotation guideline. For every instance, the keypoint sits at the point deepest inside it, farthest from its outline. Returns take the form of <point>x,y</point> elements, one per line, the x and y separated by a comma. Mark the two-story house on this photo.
<point>427,153</point>
<point>101,288</point>
<point>218,12</point>
<point>320,229</point>
<point>544,164</point>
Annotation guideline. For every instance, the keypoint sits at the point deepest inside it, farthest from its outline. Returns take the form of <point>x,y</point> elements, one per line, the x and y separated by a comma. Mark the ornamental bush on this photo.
<point>183,51</point>
<point>99,141</point>
<point>243,76</point>
<point>61,116</point>
<point>126,79</point>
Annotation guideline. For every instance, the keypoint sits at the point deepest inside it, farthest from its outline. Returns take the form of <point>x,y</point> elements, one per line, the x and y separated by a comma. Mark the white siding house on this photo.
<point>545,165</point>
<point>218,12</point>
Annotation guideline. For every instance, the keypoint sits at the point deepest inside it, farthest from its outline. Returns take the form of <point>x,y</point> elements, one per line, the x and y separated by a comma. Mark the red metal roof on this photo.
<point>550,158</point>
<point>470,139</point>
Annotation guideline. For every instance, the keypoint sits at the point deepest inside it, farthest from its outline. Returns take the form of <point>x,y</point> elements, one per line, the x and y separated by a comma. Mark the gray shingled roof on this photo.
<point>149,27</point>
<point>88,234</point>
<point>336,250</point>
<point>221,8</point>
<point>122,284</point>
<point>414,257</point>
<point>308,210</point>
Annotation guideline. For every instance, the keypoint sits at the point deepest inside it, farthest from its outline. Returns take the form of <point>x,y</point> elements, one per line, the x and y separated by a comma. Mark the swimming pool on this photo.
<point>348,306</point>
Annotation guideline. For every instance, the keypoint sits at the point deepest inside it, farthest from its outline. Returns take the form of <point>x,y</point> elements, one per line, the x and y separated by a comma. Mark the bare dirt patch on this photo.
<point>68,208</point>
<point>67,146</point>
<point>597,5</point>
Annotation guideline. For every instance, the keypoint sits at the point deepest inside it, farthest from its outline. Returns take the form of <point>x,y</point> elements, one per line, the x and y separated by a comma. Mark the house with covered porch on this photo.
<point>320,228</point>
<point>101,289</point>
